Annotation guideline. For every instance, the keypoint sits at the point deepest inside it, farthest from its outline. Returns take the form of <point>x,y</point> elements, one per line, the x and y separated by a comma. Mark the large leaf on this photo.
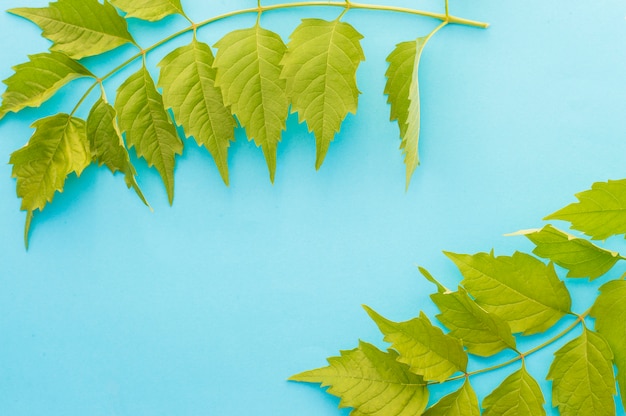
<point>520,289</point>
<point>610,313</point>
<point>582,377</point>
<point>462,402</point>
<point>79,28</point>
<point>248,72</point>
<point>151,10</point>
<point>518,395</point>
<point>38,79</point>
<point>148,126</point>
<point>373,382</point>
<point>580,257</point>
<point>424,347</point>
<point>600,212</point>
<point>320,69</point>
<point>188,83</point>
<point>107,146</point>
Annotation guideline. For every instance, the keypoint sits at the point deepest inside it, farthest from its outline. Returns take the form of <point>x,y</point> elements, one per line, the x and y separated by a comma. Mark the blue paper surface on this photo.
<point>208,306</point>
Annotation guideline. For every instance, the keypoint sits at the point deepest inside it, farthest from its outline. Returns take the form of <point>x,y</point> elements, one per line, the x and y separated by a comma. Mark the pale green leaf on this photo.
<point>600,212</point>
<point>610,313</point>
<point>372,382</point>
<point>580,257</point>
<point>422,346</point>
<point>188,82</point>
<point>151,10</point>
<point>518,395</point>
<point>148,126</point>
<point>107,146</point>
<point>320,69</point>
<point>520,289</point>
<point>79,28</point>
<point>462,402</point>
<point>248,73</point>
<point>38,79</point>
<point>582,377</point>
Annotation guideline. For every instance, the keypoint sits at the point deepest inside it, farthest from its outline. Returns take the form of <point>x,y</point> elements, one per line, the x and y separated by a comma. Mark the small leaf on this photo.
<point>148,126</point>
<point>107,146</point>
<point>462,402</point>
<point>79,28</point>
<point>151,10</point>
<point>582,377</point>
<point>424,347</point>
<point>580,257</point>
<point>519,394</point>
<point>373,382</point>
<point>600,212</point>
<point>188,83</point>
<point>37,80</point>
<point>520,289</point>
<point>248,73</point>
<point>320,69</point>
<point>609,310</point>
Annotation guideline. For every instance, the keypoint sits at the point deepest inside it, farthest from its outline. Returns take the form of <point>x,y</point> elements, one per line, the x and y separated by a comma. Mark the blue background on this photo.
<point>207,307</point>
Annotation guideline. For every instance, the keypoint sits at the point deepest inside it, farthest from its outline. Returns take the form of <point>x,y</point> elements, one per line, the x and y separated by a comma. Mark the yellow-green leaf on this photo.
<point>462,402</point>
<point>518,395</point>
<point>151,10</point>
<point>320,69</point>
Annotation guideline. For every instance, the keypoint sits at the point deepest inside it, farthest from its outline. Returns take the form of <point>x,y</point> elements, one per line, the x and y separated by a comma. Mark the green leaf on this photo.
<point>79,28</point>
<point>580,257</point>
<point>424,347</point>
<point>518,395</point>
<point>402,89</point>
<point>373,382</point>
<point>520,289</point>
<point>582,377</point>
<point>107,146</point>
<point>462,402</point>
<point>38,79</point>
<point>148,126</point>
<point>248,72</point>
<point>609,310</point>
<point>320,69</point>
<point>188,83</point>
<point>151,10</point>
<point>600,212</point>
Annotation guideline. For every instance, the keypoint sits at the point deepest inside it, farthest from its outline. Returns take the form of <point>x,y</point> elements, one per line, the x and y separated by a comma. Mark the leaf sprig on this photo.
<point>500,300</point>
<point>253,81</point>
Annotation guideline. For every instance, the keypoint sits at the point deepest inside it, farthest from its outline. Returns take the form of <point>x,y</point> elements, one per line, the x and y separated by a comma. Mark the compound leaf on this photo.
<point>188,82</point>
<point>580,257</point>
<point>582,377</point>
<point>37,80</point>
<point>424,347</point>
<point>320,69</point>
<point>600,212</point>
<point>151,10</point>
<point>462,402</point>
<point>518,395</point>
<point>609,310</point>
<point>148,126</point>
<point>522,290</point>
<point>79,28</point>
<point>373,382</point>
<point>248,73</point>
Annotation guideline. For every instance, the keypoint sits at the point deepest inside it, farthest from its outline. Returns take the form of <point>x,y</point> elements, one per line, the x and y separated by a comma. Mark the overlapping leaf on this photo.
<point>600,211</point>
<point>148,126</point>
<point>520,289</point>
<point>188,83</point>
<point>582,377</point>
<point>38,79</point>
<point>151,10</point>
<point>79,28</point>
<point>248,73</point>
<point>518,395</point>
<point>462,402</point>
<point>373,382</point>
<point>422,346</point>
<point>320,69</point>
